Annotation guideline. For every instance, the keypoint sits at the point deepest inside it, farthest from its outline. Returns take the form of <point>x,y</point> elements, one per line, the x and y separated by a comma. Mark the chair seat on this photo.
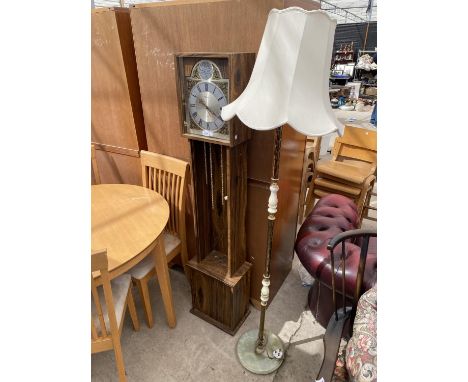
<point>336,186</point>
<point>140,270</point>
<point>322,193</point>
<point>359,163</point>
<point>346,171</point>
<point>120,287</point>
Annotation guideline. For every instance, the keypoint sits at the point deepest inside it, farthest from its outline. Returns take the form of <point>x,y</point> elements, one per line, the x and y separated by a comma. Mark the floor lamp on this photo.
<point>288,85</point>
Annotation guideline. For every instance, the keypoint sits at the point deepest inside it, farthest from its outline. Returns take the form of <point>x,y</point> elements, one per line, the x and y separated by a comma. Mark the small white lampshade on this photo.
<point>289,82</point>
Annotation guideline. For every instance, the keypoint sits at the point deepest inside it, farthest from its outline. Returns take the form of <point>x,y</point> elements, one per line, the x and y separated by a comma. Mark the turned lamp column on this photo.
<point>272,208</point>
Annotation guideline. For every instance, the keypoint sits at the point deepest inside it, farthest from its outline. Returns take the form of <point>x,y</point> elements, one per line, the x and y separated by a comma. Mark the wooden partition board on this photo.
<point>116,111</point>
<point>162,29</point>
<point>118,165</point>
<point>258,191</point>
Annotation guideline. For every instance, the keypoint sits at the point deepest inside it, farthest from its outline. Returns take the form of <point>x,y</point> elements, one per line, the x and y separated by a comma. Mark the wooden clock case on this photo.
<point>219,275</point>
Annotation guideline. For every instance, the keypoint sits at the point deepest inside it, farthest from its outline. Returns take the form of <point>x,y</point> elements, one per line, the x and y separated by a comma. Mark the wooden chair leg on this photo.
<point>144,293</point>
<point>302,195</point>
<point>184,255</point>
<point>132,310</point>
<point>366,189</point>
<point>162,273</point>
<point>310,196</point>
<point>331,342</point>
<point>119,362</point>
<point>367,205</point>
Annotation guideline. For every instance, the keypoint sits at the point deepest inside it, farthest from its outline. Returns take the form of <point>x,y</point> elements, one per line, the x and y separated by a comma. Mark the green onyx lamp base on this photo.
<point>265,362</point>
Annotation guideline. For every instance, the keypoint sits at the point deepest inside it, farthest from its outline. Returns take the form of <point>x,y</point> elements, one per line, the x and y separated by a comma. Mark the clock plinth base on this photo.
<point>217,298</point>
<point>218,324</point>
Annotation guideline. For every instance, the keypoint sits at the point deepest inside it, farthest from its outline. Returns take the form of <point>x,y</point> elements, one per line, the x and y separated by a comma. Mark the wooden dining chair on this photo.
<point>351,170</point>
<point>107,318</point>
<point>167,176</point>
<point>343,317</point>
<point>94,166</point>
<point>311,156</point>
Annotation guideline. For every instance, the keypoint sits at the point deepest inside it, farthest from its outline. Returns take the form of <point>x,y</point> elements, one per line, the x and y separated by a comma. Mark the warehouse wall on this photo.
<point>346,33</point>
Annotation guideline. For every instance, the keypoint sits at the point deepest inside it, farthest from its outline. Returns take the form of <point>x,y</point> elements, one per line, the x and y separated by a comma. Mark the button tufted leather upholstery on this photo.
<point>332,215</point>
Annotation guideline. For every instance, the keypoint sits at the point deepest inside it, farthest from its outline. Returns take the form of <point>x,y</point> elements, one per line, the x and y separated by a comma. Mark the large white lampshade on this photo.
<point>289,82</point>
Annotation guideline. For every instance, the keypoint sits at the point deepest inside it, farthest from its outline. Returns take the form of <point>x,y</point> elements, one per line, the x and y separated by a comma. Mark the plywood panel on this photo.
<point>306,4</point>
<point>116,112</point>
<point>118,168</point>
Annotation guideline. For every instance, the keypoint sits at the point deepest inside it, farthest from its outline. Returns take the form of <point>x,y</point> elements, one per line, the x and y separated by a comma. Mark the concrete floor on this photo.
<point>197,351</point>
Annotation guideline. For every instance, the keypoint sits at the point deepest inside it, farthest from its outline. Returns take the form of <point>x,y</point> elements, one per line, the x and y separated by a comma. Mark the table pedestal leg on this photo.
<point>162,272</point>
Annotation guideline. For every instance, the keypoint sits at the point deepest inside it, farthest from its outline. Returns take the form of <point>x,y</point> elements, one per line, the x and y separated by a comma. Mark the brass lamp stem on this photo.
<point>272,208</point>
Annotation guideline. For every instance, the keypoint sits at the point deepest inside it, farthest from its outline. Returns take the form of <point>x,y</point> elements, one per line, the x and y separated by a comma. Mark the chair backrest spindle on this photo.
<point>332,263</point>
<point>167,176</point>
<point>343,277</point>
<point>352,235</point>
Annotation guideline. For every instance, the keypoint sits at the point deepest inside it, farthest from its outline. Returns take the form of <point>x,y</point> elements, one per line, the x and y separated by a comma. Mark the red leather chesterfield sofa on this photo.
<point>332,215</point>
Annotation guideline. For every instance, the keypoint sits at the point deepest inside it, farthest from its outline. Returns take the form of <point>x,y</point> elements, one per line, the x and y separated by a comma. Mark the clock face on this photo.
<point>204,104</point>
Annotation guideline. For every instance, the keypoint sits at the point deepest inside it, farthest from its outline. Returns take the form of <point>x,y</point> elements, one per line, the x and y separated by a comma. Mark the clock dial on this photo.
<point>204,103</point>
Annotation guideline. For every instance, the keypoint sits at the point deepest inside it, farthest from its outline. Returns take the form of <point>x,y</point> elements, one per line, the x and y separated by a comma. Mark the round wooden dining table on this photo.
<point>128,221</point>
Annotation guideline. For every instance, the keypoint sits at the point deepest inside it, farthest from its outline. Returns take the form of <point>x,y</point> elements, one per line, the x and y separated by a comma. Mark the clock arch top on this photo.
<point>205,70</point>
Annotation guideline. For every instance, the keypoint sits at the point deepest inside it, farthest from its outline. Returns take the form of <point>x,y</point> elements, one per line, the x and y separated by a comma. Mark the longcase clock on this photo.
<point>219,275</point>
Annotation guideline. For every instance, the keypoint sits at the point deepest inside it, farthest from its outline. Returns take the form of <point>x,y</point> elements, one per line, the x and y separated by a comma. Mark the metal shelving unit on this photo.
<point>359,73</point>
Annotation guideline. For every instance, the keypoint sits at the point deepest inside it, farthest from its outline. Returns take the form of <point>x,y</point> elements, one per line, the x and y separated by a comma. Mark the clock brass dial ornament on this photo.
<point>205,69</point>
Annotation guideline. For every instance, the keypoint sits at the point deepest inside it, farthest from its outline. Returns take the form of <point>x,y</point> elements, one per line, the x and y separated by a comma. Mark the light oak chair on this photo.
<point>311,156</point>
<point>107,318</point>
<point>94,166</point>
<point>167,176</point>
<point>351,171</point>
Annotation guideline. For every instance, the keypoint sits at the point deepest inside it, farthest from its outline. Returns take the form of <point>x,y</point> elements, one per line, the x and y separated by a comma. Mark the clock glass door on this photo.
<point>205,91</point>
